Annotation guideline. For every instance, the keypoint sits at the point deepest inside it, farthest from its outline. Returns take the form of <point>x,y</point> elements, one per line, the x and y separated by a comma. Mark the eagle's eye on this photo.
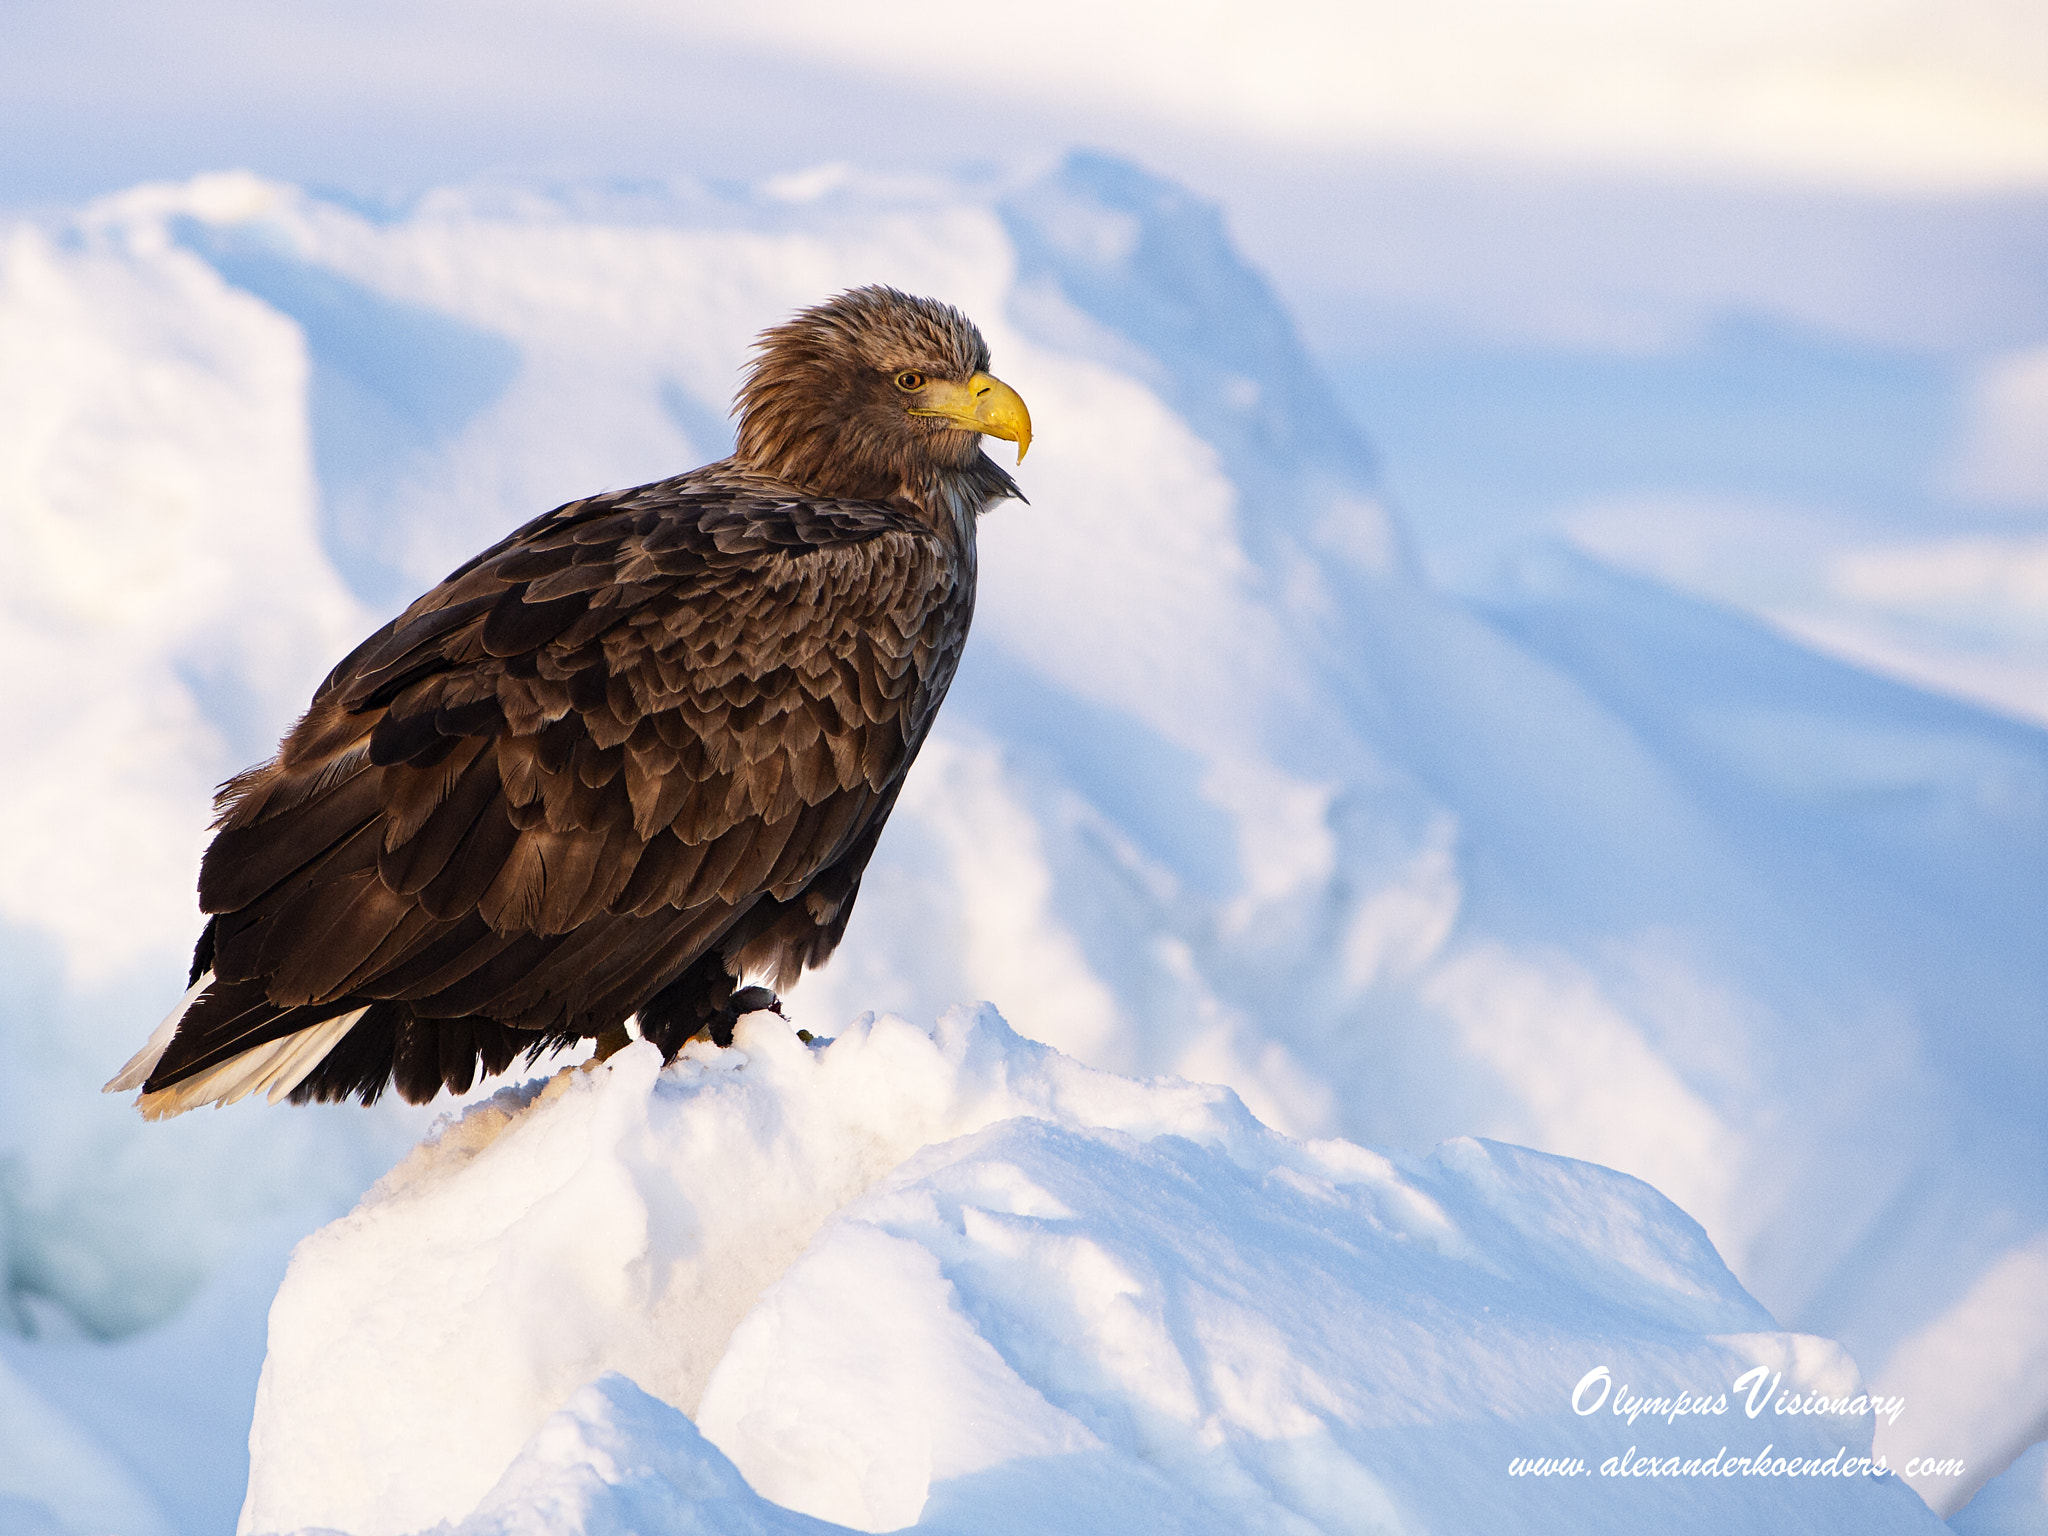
<point>910,380</point>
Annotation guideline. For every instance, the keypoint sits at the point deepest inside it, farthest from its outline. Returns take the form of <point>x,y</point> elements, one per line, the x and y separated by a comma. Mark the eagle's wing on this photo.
<point>542,791</point>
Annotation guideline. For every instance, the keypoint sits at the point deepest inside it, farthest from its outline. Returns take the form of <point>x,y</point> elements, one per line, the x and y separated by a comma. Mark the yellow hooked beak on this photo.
<point>983,404</point>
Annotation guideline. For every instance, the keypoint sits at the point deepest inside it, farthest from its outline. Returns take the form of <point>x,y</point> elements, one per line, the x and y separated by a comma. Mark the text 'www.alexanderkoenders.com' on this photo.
<point>1756,1392</point>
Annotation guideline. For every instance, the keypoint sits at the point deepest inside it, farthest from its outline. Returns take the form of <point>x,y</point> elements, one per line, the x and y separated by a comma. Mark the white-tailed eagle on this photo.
<point>636,751</point>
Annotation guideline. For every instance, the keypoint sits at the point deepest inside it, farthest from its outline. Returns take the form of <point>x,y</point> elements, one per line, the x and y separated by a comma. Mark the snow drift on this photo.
<point>962,1282</point>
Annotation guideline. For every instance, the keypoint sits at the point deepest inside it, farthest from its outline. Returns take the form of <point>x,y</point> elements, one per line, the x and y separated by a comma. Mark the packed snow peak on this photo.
<point>640,749</point>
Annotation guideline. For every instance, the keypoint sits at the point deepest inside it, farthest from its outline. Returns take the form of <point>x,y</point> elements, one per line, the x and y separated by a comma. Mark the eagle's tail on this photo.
<point>274,1066</point>
<point>226,1040</point>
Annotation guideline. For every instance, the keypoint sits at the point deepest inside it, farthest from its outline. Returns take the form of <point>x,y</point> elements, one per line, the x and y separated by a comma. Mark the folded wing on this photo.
<point>643,730</point>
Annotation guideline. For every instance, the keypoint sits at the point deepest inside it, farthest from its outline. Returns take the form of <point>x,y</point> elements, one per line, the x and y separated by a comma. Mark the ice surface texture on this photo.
<point>964,1282</point>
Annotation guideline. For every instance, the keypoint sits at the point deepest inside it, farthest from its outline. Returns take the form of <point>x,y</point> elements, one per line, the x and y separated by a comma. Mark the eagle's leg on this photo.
<point>611,1042</point>
<point>701,1001</point>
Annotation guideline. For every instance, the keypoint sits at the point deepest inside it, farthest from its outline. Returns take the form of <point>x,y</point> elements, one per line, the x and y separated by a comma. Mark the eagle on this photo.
<point>633,754</point>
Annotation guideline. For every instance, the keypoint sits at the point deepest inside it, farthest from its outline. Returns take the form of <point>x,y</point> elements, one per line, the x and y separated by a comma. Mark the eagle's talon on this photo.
<point>746,1000</point>
<point>756,1000</point>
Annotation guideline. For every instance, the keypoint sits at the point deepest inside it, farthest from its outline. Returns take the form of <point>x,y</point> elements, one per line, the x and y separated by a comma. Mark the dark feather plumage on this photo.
<point>643,745</point>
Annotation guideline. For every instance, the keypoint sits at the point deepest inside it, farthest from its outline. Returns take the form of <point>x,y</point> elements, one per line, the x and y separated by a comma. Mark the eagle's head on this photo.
<point>875,395</point>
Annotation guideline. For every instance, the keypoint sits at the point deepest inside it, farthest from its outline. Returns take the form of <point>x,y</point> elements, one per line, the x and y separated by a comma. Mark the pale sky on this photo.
<point>1903,93</point>
<point>1906,95</point>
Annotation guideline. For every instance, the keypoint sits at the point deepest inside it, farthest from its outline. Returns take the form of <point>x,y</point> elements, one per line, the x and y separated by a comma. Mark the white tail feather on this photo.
<point>144,1061</point>
<point>314,1044</point>
<point>277,1066</point>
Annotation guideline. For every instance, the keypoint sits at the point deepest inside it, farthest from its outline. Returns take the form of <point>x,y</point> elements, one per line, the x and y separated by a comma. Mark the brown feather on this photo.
<point>616,861</point>
<point>314,940</point>
<point>459,887</point>
<point>415,932</point>
<point>663,876</point>
<point>519,891</point>
<point>458,1054</point>
<point>720,857</point>
<point>453,951</point>
<point>416,1061</point>
<point>412,794</point>
<point>409,867</point>
<point>570,872</point>
<point>246,863</point>
<point>516,625</point>
<point>749,873</point>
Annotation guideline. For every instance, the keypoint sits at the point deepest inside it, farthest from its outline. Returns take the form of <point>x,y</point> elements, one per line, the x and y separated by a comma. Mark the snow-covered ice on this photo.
<point>963,1282</point>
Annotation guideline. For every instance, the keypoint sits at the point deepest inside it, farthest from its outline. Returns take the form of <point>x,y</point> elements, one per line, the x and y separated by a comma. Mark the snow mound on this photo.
<point>2014,1503</point>
<point>616,1462</point>
<point>962,1281</point>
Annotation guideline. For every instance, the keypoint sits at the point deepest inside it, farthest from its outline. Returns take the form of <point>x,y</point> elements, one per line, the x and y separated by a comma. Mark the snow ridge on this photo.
<point>963,1282</point>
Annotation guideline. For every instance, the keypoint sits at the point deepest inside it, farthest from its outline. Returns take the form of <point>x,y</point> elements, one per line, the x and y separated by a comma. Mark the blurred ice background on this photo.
<point>1665,781</point>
